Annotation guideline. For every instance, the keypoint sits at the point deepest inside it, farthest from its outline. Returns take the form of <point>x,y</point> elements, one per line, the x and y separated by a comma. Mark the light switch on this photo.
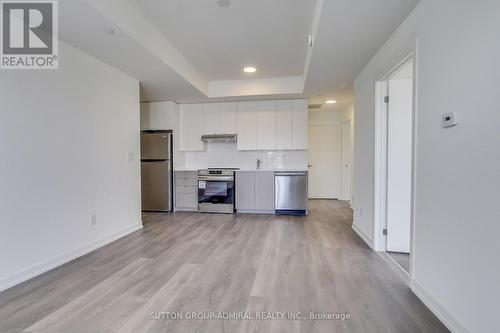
<point>130,156</point>
<point>449,120</point>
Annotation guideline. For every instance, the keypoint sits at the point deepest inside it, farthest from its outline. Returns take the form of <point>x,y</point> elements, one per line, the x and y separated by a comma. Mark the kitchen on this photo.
<point>243,157</point>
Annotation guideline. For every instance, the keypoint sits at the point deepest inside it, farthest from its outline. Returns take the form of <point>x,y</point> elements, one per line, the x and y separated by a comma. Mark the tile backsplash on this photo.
<point>226,155</point>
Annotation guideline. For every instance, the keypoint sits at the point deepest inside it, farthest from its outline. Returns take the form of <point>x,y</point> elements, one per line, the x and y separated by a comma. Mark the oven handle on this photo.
<point>217,178</point>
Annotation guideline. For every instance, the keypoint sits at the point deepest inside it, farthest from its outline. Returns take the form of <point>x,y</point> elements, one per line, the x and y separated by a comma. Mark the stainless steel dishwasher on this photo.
<point>290,192</point>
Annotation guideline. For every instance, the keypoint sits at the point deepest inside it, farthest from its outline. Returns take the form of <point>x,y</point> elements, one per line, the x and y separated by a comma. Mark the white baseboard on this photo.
<point>443,315</point>
<point>363,236</point>
<point>46,266</point>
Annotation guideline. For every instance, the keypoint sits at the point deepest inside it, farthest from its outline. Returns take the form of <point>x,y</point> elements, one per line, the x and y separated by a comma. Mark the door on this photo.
<point>215,192</point>
<point>156,179</point>
<point>325,161</point>
<point>264,190</point>
<point>300,120</point>
<point>266,125</point>
<point>219,118</point>
<point>247,125</point>
<point>399,161</point>
<point>346,160</point>
<point>284,125</point>
<point>156,145</point>
<point>191,127</point>
<point>245,190</point>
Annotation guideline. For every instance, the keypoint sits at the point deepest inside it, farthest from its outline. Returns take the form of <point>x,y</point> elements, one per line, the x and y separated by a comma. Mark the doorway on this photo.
<point>325,161</point>
<point>394,164</point>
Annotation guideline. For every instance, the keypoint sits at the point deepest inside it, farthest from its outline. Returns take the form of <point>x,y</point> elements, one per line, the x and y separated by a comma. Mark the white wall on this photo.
<point>327,116</point>
<point>457,181</point>
<point>65,139</point>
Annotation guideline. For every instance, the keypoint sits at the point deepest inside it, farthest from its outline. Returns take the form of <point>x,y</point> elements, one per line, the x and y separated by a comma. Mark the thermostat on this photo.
<point>449,120</point>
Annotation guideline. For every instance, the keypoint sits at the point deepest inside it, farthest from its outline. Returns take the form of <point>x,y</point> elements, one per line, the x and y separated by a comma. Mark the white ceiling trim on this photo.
<point>345,34</point>
<point>254,87</point>
<point>131,22</point>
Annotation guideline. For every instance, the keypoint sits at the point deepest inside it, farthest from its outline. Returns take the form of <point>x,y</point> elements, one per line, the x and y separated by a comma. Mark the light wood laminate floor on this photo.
<point>189,262</point>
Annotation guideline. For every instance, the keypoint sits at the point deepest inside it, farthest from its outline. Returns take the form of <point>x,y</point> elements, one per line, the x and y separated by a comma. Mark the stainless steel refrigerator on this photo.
<point>156,171</point>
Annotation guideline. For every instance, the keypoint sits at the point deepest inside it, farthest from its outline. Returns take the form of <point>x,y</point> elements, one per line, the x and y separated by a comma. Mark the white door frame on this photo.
<point>380,177</point>
<point>349,182</point>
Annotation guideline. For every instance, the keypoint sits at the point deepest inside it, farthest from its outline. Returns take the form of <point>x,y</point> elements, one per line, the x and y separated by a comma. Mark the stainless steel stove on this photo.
<point>216,193</point>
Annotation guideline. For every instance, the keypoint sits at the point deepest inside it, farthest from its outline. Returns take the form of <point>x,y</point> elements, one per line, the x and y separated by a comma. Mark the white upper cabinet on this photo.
<point>284,125</point>
<point>247,125</point>
<point>300,119</point>
<point>191,127</point>
<point>159,115</point>
<point>260,125</point>
<point>219,118</point>
<point>266,125</point>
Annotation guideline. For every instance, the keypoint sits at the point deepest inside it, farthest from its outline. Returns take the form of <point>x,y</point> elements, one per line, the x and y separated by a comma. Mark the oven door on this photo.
<point>216,194</point>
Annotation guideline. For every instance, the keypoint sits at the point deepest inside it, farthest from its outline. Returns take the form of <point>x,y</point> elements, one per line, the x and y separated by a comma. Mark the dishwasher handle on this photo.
<point>290,173</point>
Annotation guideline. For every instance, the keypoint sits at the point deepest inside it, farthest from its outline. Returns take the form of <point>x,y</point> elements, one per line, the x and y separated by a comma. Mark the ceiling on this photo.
<point>158,81</point>
<point>219,41</point>
<point>349,34</point>
<point>193,51</point>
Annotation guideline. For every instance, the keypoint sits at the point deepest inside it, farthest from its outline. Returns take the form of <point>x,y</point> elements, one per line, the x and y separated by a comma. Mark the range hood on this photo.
<point>219,138</point>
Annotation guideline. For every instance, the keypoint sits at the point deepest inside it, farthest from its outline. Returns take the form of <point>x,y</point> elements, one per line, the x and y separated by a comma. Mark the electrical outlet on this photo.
<point>449,120</point>
<point>93,220</point>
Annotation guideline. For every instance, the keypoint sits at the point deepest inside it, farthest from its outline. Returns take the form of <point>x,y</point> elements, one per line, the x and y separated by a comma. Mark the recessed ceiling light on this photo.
<point>331,101</point>
<point>223,3</point>
<point>249,69</point>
